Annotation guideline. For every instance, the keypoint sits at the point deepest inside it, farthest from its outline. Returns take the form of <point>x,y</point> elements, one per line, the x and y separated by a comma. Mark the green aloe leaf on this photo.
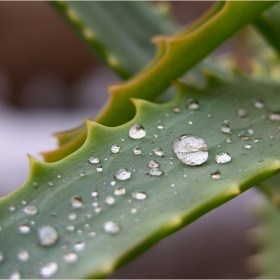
<point>168,65</point>
<point>61,198</point>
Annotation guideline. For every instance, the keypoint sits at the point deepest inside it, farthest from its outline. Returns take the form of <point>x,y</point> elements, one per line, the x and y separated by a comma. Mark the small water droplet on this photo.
<point>115,148</point>
<point>92,234</point>
<point>82,174</point>
<point>258,103</point>
<point>109,200</point>
<point>247,146</point>
<point>49,269</point>
<point>155,135</point>
<point>35,185</point>
<point>273,115</point>
<point>15,275</point>
<point>79,246</point>
<point>225,128</point>
<point>70,228</point>
<point>99,168</point>
<point>228,140</point>
<point>94,193</point>
<point>23,255</point>
<point>111,227</point>
<point>251,131</point>
<point>216,174</point>
<point>137,150</point>
<point>58,176</point>
<point>122,174</point>
<point>119,191</point>
<point>158,151</point>
<point>160,126</point>
<point>244,135</point>
<point>51,184</point>
<point>94,160</point>
<point>72,216</point>
<point>139,195</point>
<point>241,112</point>
<point>256,140</point>
<point>12,208</point>
<point>23,202</point>
<point>154,172</point>
<point>79,232</point>
<point>190,123</point>
<point>97,210</point>
<point>95,204</point>
<point>190,149</point>
<point>209,115</point>
<point>133,210</point>
<point>30,210</point>
<point>70,257</point>
<point>137,131</point>
<point>153,163</point>
<point>24,229</point>
<point>1,257</point>
<point>113,183</point>
<point>76,201</point>
<point>176,110</point>
<point>223,157</point>
<point>192,104</point>
<point>48,235</point>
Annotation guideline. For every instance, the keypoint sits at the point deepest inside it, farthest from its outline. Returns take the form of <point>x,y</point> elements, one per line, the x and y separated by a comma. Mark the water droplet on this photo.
<point>72,216</point>
<point>247,146</point>
<point>154,172</point>
<point>48,235</point>
<point>51,184</point>
<point>111,227</point>
<point>23,202</point>
<point>95,204</point>
<point>12,208</point>
<point>35,185</point>
<point>15,275</point>
<point>251,131</point>
<point>244,135</point>
<point>190,123</point>
<point>94,193</point>
<point>139,195</point>
<point>273,115</point>
<point>137,150</point>
<point>76,201</point>
<point>225,128</point>
<point>109,200</point>
<point>175,110</point>
<point>1,257</point>
<point>115,148</point>
<point>79,246</point>
<point>97,210</point>
<point>223,157</point>
<point>99,168</point>
<point>79,232</point>
<point>92,234</point>
<point>216,174</point>
<point>153,163</point>
<point>190,149</point>
<point>70,258</point>
<point>158,151</point>
<point>58,176</point>
<point>160,126</point>
<point>23,255</point>
<point>30,210</point>
<point>82,174</point>
<point>241,112</point>
<point>119,191</point>
<point>70,228</point>
<point>49,269</point>
<point>24,229</point>
<point>122,174</point>
<point>228,140</point>
<point>133,210</point>
<point>113,183</point>
<point>256,140</point>
<point>192,104</point>
<point>258,103</point>
<point>94,160</point>
<point>137,131</point>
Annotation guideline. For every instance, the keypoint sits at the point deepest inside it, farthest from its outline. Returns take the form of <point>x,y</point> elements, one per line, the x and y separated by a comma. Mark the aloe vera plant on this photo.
<point>136,179</point>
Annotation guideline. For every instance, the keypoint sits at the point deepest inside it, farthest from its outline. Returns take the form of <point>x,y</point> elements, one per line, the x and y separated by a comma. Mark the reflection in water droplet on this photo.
<point>70,257</point>
<point>99,168</point>
<point>30,210</point>
<point>137,131</point>
<point>76,201</point>
<point>48,235</point>
<point>258,103</point>
<point>190,149</point>
<point>192,104</point>
<point>15,275</point>
<point>155,172</point>
<point>133,210</point>
<point>115,148</point>
<point>94,160</point>
<point>24,229</point>
<point>122,174</point>
<point>49,269</point>
<point>158,151</point>
<point>241,112</point>
<point>139,195</point>
<point>223,157</point>
<point>94,193</point>
<point>119,191</point>
<point>225,128</point>
<point>216,174</point>
<point>82,174</point>
<point>111,227</point>
<point>247,146</point>
<point>79,246</point>
<point>273,115</point>
<point>137,150</point>
<point>109,200</point>
<point>153,163</point>
<point>23,255</point>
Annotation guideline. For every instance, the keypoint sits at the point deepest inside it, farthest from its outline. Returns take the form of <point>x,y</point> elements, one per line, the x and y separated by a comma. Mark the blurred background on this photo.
<point>49,81</point>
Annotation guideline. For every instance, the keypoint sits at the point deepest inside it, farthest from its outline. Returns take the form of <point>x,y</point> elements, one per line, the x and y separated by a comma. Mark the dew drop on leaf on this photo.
<point>94,160</point>
<point>225,128</point>
<point>139,195</point>
<point>109,200</point>
<point>24,229</point>
<point>79,246</point>
<point>133,210</point>
<point>153,163</point>
<point>244,135</point>
<point>51,184</point>
<point>119,191</point>
<point>99,168</point>
<point>192,104</point>
<point>70,228</point>
<point>223,157</point>
<point>155,172</point>
<point>15,275</point>
<point>111,227</point>
<point>247,146</point>
<point>115,148</point>
<point>241,112</point>
<point>48,235</point>
<point>97,210</point>
<point>273,115</point>
<point>1,257</point>
<point>190,149</point>
<point>70,257</point>
<point>160,126</point>
<point>30,210</point>
<point>49,270</point>
<point>92,234</point>
<point>76,201</point>
<point>137,150</point>
<point>23,255</point>
<point>229,140</point>
<point>258,103</point>
<point>175,109</point>
<point>216,174</point>
<point>94,193</point>
<point>82,174</point>
<point>256,140</point>
<point>12,208</point>
<point>158,151</point>
<point>122,174</point>
<point>137,131</point>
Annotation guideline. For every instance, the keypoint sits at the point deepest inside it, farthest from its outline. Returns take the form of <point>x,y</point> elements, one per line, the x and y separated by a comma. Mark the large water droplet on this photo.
<point>119,191</point>
<point>76,201</point>
<point>225,128</point>
<point>192,104</point>
<point>273,115</point>
<point>49,270</point>
<point>122,174</point>
<point>24,229</point>
<point>70,257</point>
<point>258,103</point>
<point>155,172</point>
<point>137,131</point>
<point>190,149</point>
<point>23,255</point>
<point>137,150</point>
<point>139,195</point>
<point>216,174</point>
<point>158,151</point>
<point>153,163</point>
<point>109,200</point>
<point>223,157</point>
<point>48,235</point>
<point>115,148</point>
<point>111,227</point>
<point>79,246</point>
<point>94,160</point>
<point>30,210</point>
<point>15,275</point>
